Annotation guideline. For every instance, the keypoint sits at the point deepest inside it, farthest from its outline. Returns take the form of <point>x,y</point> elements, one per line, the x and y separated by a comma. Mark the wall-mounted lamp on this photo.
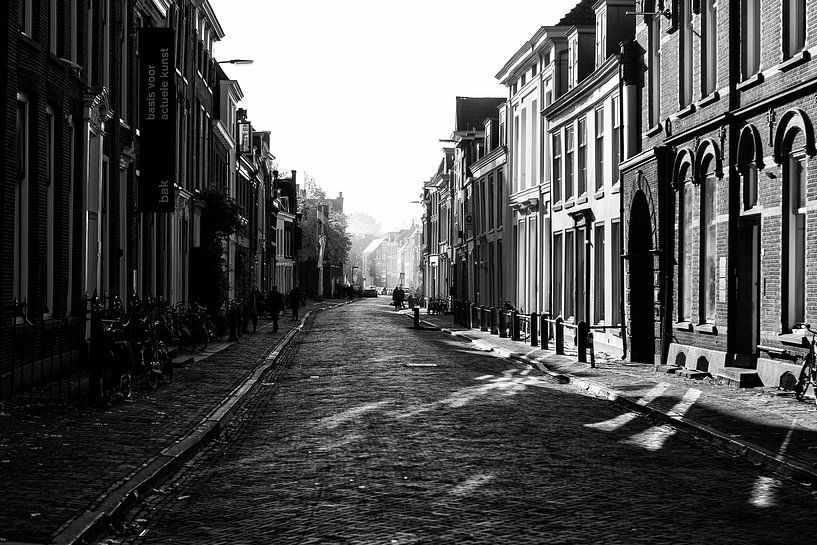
<point>236,61</point>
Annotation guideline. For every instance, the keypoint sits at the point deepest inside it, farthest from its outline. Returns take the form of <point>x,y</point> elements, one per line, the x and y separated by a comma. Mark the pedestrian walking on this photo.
<point>275,304</point>
<point>255,305</point>
<point>295,301</point>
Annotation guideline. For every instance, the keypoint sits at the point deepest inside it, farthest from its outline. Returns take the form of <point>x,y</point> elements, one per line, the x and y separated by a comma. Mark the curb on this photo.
<point>778,463</point>
<point>92,526</point>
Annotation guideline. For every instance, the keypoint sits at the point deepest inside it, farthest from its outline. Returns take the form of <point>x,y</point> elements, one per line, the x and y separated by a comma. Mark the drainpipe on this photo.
<point>622,309</point>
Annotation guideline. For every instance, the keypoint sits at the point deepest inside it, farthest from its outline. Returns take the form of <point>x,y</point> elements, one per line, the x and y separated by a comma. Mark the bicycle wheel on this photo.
<point>148,363</point>
<point>166,364</point>
<point>803,379</point>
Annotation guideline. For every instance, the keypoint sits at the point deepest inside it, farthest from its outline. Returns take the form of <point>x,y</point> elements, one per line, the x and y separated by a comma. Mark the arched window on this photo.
<point>793,293</point>
<point>686,197</point>
<point>748,167</point>
<point>709,244</point>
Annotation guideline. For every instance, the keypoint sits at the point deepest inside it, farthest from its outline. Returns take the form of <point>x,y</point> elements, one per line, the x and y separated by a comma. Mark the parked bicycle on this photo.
<point>808,373</point>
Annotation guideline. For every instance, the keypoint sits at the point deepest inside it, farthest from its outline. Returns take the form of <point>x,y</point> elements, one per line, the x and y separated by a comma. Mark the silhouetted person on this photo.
<point>295,301</point>
<point>275,304</point>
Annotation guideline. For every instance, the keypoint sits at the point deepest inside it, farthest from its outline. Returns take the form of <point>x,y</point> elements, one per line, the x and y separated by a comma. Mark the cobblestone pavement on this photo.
<point>56,463</point>
<point>369,432</point>
<point>766,417</point>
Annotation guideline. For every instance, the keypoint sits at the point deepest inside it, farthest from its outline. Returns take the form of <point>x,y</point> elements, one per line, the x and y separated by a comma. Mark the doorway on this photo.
<point>747,330</point>
<point>642,283</point>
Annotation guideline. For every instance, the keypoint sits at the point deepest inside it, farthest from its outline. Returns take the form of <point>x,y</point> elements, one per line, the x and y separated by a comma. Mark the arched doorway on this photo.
<point>642,298</point>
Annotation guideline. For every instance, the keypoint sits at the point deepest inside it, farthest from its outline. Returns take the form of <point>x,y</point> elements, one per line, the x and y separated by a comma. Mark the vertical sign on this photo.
<point>244,137</point>
<point>157,119</point>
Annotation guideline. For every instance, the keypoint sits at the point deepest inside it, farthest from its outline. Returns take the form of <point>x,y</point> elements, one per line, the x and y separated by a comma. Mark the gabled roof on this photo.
<point>582,14</point>
<point>373,245</point>
<point>472,112</point>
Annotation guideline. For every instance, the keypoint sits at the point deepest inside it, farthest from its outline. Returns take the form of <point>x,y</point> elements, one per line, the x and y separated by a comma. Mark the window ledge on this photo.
<point>710,329</point>
<point>557,206</point>
<point>598,194</point>
<point>750,82</point>
<point>793,339</point>
<point>683,326</point>
<point>795,60</point>
<point>124,124</point>
<point>654,130</point>
<point>582,199</point>
<point>683,112</point>
<point>570,203</point>
<point>616,187</point>
<point>709,99</point>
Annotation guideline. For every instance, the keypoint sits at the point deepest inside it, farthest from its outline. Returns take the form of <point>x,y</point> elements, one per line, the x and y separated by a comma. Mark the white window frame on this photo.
<point>570,171</point>
<point>52,26</point>
<point>654,68</point>
<point>685,51</point>
<point>708,241</point>
<point>556,150</point>
<point>581,157</point>
<point>795,210</point>
<point>599,150</point>
<point>26,26</point>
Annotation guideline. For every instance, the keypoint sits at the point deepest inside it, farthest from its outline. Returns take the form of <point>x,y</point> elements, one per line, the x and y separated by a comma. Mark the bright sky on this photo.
<point>358,93</point>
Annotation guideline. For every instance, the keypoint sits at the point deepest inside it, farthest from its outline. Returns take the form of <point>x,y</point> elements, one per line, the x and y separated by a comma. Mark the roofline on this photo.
<point>540,38</point>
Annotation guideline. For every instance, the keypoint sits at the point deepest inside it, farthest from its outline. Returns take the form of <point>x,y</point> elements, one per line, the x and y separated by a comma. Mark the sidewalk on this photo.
<point>63,470</point>
<point>761,424</point>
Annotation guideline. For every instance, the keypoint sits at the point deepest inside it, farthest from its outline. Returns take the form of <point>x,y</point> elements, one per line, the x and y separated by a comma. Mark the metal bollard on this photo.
<point>560,336</point>
<point>534,325</point>
<point>417,317</point>
<point>471,308</point>
<point>494,326</point>
<point>483,319</point>
<point>544,331</point>
<point>503,325</point>
<point>581,340</point>
<point>515,325</point>
<point>592,349</point>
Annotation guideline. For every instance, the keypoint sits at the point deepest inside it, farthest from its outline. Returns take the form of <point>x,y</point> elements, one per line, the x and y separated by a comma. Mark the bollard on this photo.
<point>417,317</point>
<point>560,336</point>
<point>515,325</point>
<point>592,348</point>
<point>483,319</point>
<point>494,327</point>
<point>534,326</point>
<point>544,331</point>
<point>581,340</point>
<point>503,324</point>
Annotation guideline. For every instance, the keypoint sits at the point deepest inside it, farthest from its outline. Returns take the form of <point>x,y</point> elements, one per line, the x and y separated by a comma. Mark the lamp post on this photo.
<point>236,61</point>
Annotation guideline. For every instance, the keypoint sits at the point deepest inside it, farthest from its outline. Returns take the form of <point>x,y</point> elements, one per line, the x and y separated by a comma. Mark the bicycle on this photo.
<point>808,373</point>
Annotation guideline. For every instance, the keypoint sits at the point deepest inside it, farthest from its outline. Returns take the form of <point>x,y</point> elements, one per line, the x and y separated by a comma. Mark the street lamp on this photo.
<point>236,61</point>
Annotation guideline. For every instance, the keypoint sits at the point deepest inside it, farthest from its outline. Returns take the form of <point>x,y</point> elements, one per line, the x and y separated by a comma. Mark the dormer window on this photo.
<point>523,79</point>
<point>573,62</point>
<point>601,37</point>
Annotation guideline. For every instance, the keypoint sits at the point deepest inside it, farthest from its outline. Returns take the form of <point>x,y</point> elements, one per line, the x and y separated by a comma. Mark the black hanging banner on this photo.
<point>157,119</point>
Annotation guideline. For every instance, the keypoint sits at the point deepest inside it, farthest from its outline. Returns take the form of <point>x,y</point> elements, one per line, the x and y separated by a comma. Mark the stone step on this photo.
<point>738,377</point>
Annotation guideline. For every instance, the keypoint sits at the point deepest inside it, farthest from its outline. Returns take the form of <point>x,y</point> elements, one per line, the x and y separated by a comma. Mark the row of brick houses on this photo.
<point>651,170</point>
<point>117,120</point>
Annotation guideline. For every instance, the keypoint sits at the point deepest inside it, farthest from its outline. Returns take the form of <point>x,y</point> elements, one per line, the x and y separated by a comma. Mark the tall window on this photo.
<point>749,177</point>
<point>21,201</point>
<point>599,149</point>
<point>491,189</point>
<point>73,41</point>
<point>569,162</point>
<point>581,273</point>
<point>709,254</point>
<point>24,20</point>
<point>601,37</point>
<point>615,273</point>
<point>598,273</point>
<point>124,84</point>
<point>50,160</point>
<point>523,151</point>
<point>794,27</point>
<point>685,215</point>
<point>70,192</point>
<point>750,38</point>
<point>582,186</point>
<point>615,137</point>
<point>709,47</point>
<point>52,26</point>
<point>654,67</point>
<point>500,183</point>
<point>794,235</point>
<point>685,51</point>
<point>534,144</point>
<point>571,64</point>
<point>558,266</point>
<point>557,166</point>
<point>570,278</point>
<point>517,152</point>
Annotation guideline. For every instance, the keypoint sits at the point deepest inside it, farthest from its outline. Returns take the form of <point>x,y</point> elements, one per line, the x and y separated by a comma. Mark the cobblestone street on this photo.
<point>368,431</point>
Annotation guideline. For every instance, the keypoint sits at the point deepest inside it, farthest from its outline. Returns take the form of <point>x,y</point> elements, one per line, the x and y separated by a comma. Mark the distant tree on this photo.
<point>361,223</point>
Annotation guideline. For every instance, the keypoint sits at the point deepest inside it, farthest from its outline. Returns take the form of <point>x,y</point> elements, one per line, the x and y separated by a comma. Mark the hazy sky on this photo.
<point>358,93</point>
